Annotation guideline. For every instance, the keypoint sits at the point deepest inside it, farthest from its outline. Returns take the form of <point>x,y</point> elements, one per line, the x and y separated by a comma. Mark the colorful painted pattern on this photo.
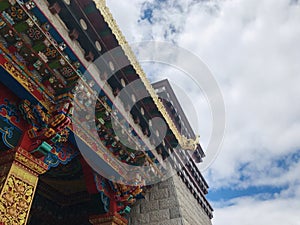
<point>9,131</point>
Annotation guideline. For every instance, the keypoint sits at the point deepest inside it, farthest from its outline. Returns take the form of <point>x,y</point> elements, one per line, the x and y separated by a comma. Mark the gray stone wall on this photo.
<point>168,203</point>
<point>191,211</point>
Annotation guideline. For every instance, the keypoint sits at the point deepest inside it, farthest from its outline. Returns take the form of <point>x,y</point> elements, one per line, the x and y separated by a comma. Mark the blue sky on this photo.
<point>252,48</point>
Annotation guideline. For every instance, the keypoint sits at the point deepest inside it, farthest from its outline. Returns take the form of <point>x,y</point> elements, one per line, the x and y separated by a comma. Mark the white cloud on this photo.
<point>254,211</point>
<point>253,49</point>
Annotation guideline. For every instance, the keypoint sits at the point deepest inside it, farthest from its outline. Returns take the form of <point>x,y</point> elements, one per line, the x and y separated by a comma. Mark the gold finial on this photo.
<point>189,144</point>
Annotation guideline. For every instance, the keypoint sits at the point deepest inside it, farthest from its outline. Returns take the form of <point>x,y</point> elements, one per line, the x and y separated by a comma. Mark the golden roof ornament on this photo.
<point>190,144</point>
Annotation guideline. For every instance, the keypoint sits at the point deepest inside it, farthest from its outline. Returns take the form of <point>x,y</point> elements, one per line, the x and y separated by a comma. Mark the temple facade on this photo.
<point>85,138</point>
<point>181,198</point>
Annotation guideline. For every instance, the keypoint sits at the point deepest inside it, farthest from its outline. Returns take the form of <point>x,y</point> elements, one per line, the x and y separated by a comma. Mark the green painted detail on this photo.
<point>21,27</point>
<point>56,138</point>
<point>4,5</point>
<point>55,64</point>
<point>9,134</point>
<point>44,148</point>
<point>101,121</point>
<point>126,210</point>
<point>91,8</point>
<point>39,47</point>
<point>106,32</point>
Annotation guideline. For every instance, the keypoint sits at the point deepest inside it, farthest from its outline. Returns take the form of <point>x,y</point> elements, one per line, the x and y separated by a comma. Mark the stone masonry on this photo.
<point>169,203</point>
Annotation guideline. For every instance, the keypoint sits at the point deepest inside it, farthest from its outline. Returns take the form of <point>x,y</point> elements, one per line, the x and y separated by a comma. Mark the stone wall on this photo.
<point>168,203</point>
<point>191,211</point>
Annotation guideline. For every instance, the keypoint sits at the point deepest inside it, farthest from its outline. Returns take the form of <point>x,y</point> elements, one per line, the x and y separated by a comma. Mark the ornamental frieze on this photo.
<point>15,201</point>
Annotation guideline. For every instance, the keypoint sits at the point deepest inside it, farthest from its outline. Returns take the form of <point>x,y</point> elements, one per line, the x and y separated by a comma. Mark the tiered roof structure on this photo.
<point>58,59</point>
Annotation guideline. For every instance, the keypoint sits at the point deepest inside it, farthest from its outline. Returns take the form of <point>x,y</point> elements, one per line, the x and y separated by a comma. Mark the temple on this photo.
<point>85,138</point>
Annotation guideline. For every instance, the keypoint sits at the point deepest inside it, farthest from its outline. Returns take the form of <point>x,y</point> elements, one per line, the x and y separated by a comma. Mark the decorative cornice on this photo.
<point>22,77</point>
<point>187,144</point>
<point>25,160</point>
<point>29,161</point>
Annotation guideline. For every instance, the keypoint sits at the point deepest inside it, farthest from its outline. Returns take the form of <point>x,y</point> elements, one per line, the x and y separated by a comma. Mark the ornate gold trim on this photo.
<point>17,195</point>
<point>187,144</point>
<point>27,160</point>
<point>23,159</point>
<point>108,219</point>
<point>19,172</point>
<point>20,77</point>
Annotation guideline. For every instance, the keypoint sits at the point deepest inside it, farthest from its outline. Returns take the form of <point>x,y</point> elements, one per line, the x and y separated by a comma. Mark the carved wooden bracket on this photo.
<point>55,8</point>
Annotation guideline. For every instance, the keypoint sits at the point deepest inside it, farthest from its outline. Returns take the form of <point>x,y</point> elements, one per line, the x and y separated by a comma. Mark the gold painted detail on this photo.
<point>187,144</point>
<point>24,159</point>
<point>98,148</point>
<point>190,144</point>
<point>30,162</point>
<point>46,126</point>
<point>22,79</point>
<point>16,196</point>
<point>108,219</point>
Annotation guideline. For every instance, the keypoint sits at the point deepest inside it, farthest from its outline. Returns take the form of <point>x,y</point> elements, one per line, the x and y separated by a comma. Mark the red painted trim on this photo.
<point>2,61</point>
<point>88,177</point>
